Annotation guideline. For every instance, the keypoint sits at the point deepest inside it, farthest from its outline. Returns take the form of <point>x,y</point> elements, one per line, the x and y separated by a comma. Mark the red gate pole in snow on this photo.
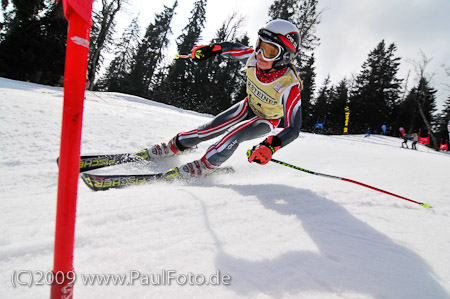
<point>78,13</point>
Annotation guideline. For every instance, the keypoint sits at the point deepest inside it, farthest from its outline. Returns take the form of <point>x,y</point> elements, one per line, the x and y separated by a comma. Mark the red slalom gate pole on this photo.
<point>423,204</point>
<point>78,13</point>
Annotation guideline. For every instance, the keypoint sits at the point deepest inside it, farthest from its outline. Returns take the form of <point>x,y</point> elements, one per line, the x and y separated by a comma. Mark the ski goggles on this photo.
<point>269,50</point>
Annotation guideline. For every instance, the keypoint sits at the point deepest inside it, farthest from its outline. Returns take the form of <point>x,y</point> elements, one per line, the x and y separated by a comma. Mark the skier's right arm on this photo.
<point>227,49</point>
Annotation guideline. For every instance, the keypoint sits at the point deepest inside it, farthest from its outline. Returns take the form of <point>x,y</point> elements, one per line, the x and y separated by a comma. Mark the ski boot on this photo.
<point>161,150</point>
<point>191,170</point>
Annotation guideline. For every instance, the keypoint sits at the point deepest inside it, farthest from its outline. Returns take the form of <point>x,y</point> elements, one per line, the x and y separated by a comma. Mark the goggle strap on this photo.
<point>277,38</point>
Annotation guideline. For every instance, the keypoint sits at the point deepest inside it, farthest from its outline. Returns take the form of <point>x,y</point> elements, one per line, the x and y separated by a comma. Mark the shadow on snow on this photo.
<point>353,257</point>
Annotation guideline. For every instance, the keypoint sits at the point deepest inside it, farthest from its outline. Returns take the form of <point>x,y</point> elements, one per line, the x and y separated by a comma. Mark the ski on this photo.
<point>99,161</point>
<point>105,182</point>
<point>98,182</point>
<point>91,162</point>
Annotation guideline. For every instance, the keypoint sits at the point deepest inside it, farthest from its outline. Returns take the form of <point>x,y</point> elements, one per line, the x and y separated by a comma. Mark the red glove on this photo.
<point>262,153</point>
<point>202,52</point>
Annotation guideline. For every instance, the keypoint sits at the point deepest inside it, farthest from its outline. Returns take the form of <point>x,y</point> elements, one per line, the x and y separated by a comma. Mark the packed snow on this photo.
<point>274,231</point>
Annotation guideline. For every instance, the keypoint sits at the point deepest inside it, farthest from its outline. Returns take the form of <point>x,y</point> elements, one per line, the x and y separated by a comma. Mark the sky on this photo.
<point>349,30</point>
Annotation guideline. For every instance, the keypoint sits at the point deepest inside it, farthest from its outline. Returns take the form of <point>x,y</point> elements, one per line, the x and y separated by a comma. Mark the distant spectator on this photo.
<point>405,140</point>
<point>415,139</point>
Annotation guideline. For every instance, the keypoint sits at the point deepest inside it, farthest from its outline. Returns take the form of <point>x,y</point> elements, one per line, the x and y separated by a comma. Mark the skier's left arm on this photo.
<point>292,106</point>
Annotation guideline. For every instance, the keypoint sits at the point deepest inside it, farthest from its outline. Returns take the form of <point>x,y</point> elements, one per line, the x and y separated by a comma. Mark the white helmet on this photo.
<point>285,36</point>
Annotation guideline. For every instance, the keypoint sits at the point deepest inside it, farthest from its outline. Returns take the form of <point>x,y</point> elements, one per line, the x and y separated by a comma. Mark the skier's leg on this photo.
<point>216,126</point>
<point>222,150</point>
<point>250,129</point>
<point>212,129</point>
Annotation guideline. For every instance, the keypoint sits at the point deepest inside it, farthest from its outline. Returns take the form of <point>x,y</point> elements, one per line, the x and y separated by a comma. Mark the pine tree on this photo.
<point>177,88</point>
<point>21,11</point>
<point>150,53</point>
<point>303,14</point>
<point>425,97</point>
<point>407,115</point>
<point>283,9</point>
<point>443,119</point>
<point>219,81</point>
<point>330,105</point>
<point>120,66</point>
<point>377,90</point>
<point>308,75</point>
<point>422,99</point>
<point>442,123</point>
<point>337,102</point>
<point>101,35</point>
<point>323,98</point>
<point>33,41</point>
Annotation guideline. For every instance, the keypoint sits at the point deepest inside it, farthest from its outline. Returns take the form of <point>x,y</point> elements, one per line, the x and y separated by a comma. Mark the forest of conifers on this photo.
<point>32,48</point>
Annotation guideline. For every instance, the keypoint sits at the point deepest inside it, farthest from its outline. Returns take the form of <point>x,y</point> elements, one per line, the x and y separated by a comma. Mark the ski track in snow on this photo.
<point>278,232</point>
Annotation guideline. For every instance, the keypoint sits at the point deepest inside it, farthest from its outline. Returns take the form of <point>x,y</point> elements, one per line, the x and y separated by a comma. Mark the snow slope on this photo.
<point>278,232</point>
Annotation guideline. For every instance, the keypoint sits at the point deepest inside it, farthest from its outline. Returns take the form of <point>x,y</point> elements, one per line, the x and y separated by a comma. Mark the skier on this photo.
<point>405,141</point>
<point>273,100</point>
<point>404,136</point>
<point>415,139</point>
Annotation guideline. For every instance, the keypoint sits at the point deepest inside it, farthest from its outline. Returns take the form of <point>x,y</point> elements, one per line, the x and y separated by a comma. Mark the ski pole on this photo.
<point>423,204</point>
<point>98,96</point>
<point>178,56</point>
